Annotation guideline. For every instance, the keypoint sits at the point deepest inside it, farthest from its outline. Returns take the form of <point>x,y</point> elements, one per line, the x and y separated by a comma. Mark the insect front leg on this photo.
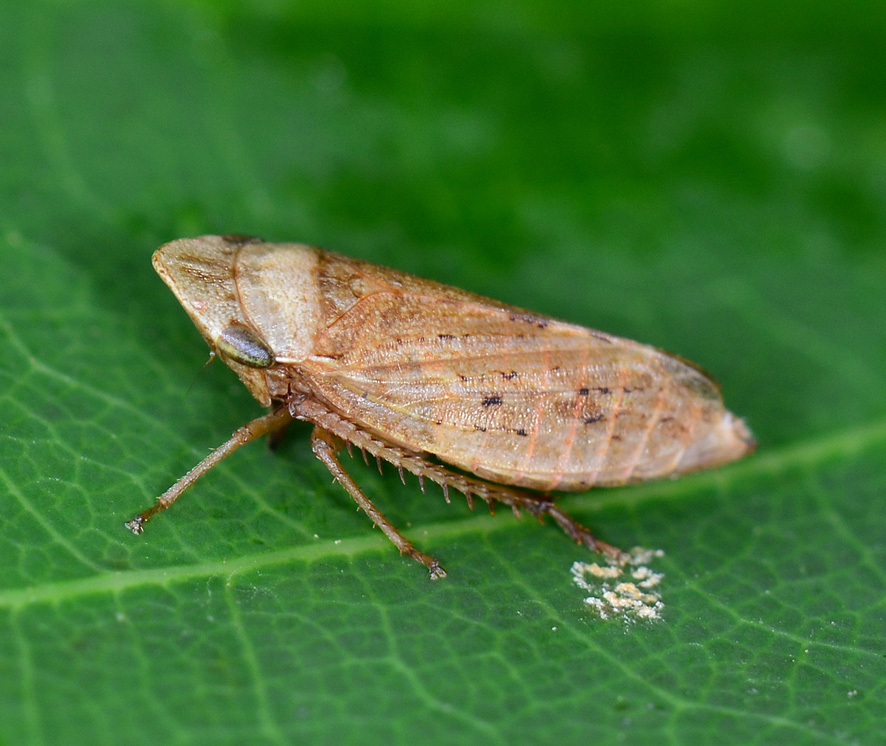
<point>270,423</point>
<point>321,443</point>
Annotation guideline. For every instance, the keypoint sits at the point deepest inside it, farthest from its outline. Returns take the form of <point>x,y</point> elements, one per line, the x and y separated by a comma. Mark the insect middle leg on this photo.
<point>322,445</point>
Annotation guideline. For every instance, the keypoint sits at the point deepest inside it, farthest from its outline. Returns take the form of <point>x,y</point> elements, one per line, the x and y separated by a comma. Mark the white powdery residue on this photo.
<point>603,572</point>
<point>645,577</point>
<point>613,596</point>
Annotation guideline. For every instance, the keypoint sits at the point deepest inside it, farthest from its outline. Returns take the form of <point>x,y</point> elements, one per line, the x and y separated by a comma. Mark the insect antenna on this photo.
<point>212,356</point>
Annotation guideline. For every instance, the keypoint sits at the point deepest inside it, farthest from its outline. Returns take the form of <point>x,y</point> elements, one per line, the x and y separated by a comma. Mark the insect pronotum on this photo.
<point>409,370</point>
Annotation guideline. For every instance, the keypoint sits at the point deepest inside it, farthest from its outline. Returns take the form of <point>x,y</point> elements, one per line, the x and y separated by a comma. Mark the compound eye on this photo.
<point>241,344</point>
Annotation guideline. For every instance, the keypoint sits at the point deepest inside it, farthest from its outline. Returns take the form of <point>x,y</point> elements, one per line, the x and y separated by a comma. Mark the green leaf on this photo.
<point>707,179</point>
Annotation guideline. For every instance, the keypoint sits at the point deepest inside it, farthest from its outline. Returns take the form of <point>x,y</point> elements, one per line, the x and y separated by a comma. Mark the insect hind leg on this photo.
<point>325,451</point>
<point>576,531</point>
<point>536,504</point>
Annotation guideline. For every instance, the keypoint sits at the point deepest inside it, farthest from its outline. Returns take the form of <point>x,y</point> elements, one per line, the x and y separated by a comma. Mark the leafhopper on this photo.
<point>493,401</point>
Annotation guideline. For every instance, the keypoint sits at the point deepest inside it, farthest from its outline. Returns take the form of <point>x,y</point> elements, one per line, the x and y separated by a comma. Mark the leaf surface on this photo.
<point>711,183</point>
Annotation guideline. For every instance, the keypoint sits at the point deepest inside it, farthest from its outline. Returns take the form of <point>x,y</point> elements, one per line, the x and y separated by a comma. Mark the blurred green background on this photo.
<point>706,177</point>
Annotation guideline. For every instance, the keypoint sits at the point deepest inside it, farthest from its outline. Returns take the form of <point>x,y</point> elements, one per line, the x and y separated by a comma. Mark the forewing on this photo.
<point>510,396</point>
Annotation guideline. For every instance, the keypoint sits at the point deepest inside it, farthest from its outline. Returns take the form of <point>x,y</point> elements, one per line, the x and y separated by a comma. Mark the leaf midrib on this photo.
<point>846,443</point>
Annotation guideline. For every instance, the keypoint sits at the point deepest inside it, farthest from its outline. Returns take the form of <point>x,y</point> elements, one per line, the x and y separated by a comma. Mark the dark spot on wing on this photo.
<point>239,239</point>
<point>491,401</point>
<point>528,318</point>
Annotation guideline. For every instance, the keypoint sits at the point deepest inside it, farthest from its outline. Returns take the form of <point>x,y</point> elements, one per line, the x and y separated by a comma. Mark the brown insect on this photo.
<point>408,370</point>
